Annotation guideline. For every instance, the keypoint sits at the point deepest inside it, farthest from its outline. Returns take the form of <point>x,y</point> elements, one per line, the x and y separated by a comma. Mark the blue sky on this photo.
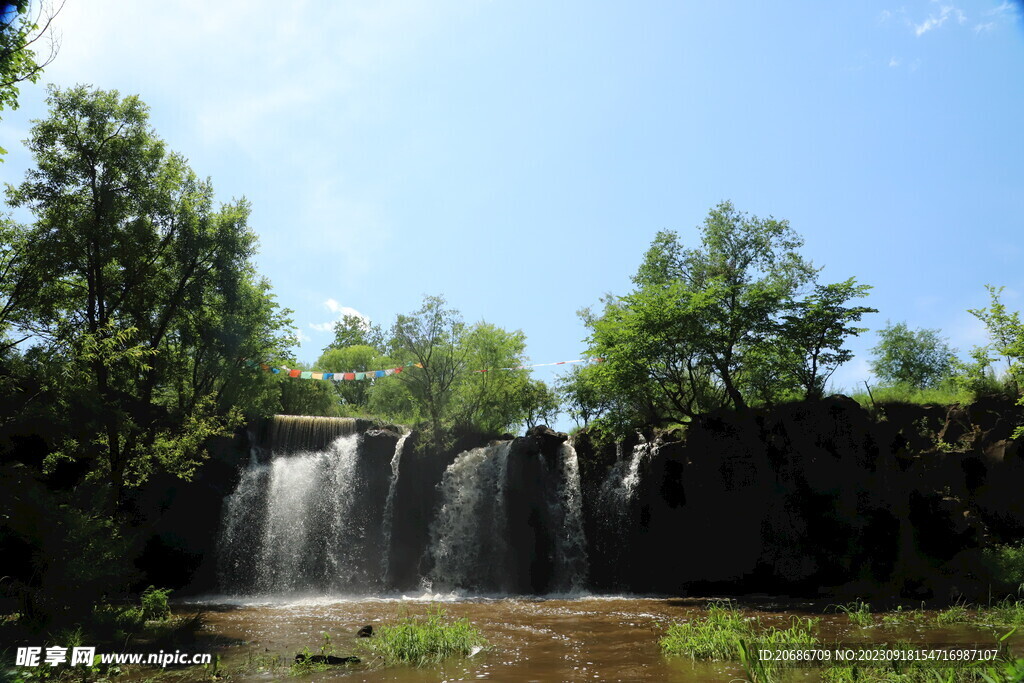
<point>518,158</point>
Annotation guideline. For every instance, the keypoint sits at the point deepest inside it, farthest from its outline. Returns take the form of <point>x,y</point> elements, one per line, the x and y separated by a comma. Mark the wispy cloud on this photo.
<point>935,21</point>
<point>893,62</point>
<point>1005,8</point>
<point>340,312</point>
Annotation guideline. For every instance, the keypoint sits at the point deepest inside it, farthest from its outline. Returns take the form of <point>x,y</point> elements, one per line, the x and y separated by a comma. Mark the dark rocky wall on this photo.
<point>817,498</point>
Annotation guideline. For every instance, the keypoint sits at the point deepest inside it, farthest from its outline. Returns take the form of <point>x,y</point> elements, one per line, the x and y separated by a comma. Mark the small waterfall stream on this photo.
<point>469,537</point>
<point>389,507</point>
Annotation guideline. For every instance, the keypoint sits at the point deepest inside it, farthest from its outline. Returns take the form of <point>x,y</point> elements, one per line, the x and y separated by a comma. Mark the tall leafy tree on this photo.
<point>692,331</point>
<point>1007,335</point>
<point>431,338</point>
<point>813,330</point>
<point>919,358</point>
<point>22,32</point>
<point>722,324</point>
<point>141,285</point>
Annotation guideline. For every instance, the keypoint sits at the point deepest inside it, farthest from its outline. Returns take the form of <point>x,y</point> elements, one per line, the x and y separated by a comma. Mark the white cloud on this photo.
<point>333,306</point>
<point>893,62</point>
<point>987,26</point>
<point>932,22</point>
<point>1005,8</point>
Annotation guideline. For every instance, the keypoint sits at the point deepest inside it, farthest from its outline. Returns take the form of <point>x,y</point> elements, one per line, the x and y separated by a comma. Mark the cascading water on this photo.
<point>389,507</point>
<point>468,537</point>
<point>617,510</point>
<point>307,519</point>
<point>473,540</point>
<point>571,542</point>
<point>619,488</point>
<point>356,514</point>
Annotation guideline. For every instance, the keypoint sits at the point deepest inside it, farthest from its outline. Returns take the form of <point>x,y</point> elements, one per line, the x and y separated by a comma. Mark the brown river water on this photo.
<point>529,639</point>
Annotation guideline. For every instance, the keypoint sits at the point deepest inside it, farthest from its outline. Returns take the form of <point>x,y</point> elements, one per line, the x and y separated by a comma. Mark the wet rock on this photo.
<point>325,659</point>
<point>365,632</point>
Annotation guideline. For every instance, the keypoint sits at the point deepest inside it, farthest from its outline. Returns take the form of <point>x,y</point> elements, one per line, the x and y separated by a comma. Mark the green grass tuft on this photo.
<point>420,641</point>
<point>858,612</point>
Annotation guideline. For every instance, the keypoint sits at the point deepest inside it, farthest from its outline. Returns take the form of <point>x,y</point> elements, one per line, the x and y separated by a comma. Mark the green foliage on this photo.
<point>721,324</point>
<point>352,330</point>
<point>137,290</point>
<point>725,634</point>
<point>154,604</point>
<point>917,358</point>
<point>945,394</point>
<point>900,618</point>
<point>715,636</point>
<point>957,614</point>
<point>540,403</point>
<point>455,382</point>
<point>1006,613</point>
<point>355,358</point>
<point>579,390</point>
<point>858,612</point>
<point>427,640</point>
<point>813,330</point>
<point>20,36</point>
<point>1005,564</point>
<point>1006,334</point>
<point>1007,341</point>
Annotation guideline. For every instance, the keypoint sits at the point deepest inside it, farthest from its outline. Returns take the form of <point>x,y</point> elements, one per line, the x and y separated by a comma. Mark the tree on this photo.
<point>20,33</point>
<point>492,395</point>
<point>1007,335</point>
<point>689,336</point>
<point>540,403</point>
<point>919,358</point>
<point>352,330</point>
<point>724,324</point>
<point>579,392</point>
<point>140,287</point>
<point>430,339</point>
<point>355,358</point>
<point>813,330</point>
<point>456,376</point>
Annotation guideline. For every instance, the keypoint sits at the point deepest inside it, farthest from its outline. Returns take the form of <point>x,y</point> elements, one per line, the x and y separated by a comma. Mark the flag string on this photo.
<point>374,374</point>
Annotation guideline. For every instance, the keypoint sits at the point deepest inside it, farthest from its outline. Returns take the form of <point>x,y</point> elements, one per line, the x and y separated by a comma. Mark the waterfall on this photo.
<point>619,487</point>
<point>617,512</point>
<point>570,541</point>
<point>282,434</point>
<point>468,538</point>
<point>389,508</point>
<point>308,513</point>
<point>330,507</point>
<point>472,536</point>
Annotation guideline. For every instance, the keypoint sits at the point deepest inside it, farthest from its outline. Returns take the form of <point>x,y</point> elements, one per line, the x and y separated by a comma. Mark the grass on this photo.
<point>1004,614</point>
<point>716,636</point>
<point>725,634</point>
<point>858,612</point>
<point>900,617</point>
<point>1005,563</point>
<point>957,614</point>
<point>941,395</point>
<point>420,641</point>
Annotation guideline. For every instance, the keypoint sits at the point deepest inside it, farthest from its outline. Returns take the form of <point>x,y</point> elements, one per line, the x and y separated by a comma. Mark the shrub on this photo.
<point>154,604</point>
<point>426,640</point>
